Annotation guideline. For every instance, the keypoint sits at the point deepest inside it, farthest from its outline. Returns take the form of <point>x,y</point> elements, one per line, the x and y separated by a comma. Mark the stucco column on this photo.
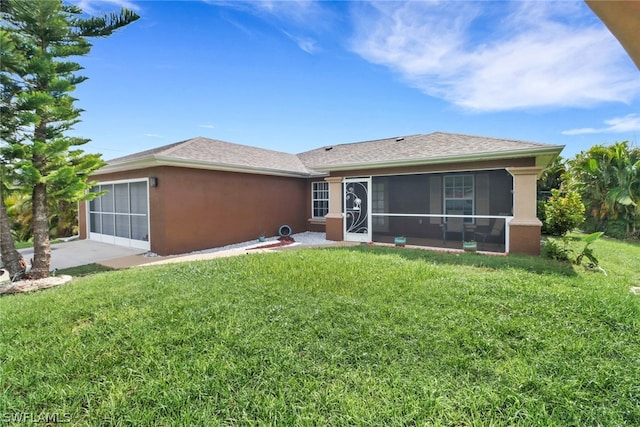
<point>524,228</point>
<point>334,224</point>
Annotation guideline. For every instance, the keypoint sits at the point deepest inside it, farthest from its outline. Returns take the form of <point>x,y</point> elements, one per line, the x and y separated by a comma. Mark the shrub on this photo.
<point>587,252</point>
<point>540,213</point>
<point>558,250</point>
<point>563,212</point>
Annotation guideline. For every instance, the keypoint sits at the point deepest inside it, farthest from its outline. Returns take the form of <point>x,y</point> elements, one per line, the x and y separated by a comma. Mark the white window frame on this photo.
<point>379,204</point>
<point>315,191</point>
<point>113,239</point>
<point>463,196</point>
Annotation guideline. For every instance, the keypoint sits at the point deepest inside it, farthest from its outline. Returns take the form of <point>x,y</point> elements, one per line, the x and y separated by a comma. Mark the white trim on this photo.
<point>313,199</point>
<point>116,240</point>
<point>549,152</point>
<point>507,221</point>
<point>155,160</point>
<point>423,215</point>
<point>507,227</point>
<point>385,202</point>
<point>473,192</point>
<point>122,181</point>
<point>357,237</point>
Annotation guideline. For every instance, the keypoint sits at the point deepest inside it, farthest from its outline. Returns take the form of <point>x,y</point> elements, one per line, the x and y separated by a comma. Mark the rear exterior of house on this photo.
<point>437,190</point>
<point>187,209</point>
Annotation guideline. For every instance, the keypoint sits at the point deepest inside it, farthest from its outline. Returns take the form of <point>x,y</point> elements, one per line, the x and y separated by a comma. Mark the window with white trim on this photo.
<point>379,203</point>
<point>122,211</point>
<point>459,195</point>
<point>319,199</point>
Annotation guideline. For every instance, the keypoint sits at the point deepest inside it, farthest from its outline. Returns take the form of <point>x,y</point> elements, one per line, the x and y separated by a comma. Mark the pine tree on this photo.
<point>10,58</point>
<point>39,37</point>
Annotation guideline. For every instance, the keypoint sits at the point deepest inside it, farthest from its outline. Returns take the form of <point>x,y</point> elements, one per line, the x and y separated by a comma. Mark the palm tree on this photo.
<point>608,178</point>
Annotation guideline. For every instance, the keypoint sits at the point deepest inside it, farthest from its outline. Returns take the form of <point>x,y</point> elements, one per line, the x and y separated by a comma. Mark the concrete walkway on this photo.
<point>82,252</point>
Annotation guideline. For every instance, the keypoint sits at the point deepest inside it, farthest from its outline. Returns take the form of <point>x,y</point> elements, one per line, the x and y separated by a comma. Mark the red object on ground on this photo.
<point>282,241</point>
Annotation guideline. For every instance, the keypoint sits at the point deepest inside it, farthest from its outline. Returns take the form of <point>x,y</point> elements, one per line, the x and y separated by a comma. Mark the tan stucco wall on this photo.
<point>525,227</point>
<point>524,194</point>
<point>194,209</point>
<point>335,225</point>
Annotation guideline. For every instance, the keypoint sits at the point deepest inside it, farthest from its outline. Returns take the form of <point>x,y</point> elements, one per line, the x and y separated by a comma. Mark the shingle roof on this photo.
<point>221,153</point>
<point>415,148</point>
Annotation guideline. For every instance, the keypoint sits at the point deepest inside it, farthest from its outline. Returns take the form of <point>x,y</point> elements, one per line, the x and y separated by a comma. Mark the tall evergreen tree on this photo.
<point>10,58</point>
<point>42,35</point>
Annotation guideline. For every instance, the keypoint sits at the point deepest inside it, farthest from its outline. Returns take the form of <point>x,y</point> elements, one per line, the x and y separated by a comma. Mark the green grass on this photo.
<point>84,270</point>
<point>345,336</point>
<point>29,244</point>
<point>23,245</point>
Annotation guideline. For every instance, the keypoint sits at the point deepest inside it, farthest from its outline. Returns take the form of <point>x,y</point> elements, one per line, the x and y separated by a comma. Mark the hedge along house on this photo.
<point>436,190</point>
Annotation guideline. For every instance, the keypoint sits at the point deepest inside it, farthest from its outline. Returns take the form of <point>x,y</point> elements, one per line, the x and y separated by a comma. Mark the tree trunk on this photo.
<point>41,244</point>
<point>10,256</point>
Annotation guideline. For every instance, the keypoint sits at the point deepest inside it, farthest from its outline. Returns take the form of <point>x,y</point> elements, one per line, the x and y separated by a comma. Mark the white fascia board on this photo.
<point>543,157</point>
<point>155,161</point>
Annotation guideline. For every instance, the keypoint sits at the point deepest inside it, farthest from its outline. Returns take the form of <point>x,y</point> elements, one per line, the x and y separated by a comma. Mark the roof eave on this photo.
<point>544,156</point>
<point>155,161</point>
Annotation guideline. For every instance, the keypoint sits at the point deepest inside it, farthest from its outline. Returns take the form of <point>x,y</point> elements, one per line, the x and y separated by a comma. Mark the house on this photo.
<point>436,190</point>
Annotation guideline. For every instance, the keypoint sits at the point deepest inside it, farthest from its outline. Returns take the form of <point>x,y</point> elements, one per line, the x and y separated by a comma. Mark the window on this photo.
<point>379,204</point>
<point>120,213</point>
<point>319,199</point>
<point>458,195</point>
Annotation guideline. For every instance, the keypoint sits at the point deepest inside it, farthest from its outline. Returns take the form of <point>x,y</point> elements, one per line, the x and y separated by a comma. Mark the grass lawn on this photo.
<point>29,244</point>
<point>344,336</point>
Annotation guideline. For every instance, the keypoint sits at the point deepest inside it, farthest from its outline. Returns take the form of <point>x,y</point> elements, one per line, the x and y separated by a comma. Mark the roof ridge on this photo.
<point>201,151</point>
<point>487,137</point>
<point>252,147</point>
<point>173,147</point>
<point>362,142</point>
<point>149,151</point>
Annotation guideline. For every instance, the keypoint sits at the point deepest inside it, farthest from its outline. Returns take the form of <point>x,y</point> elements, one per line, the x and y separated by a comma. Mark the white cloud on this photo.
<point>536,54</point>
<point>306,44</point>
<point>628,123</point>
<point>296,19</point>
<point>208,126</point>
<point>153,135</point>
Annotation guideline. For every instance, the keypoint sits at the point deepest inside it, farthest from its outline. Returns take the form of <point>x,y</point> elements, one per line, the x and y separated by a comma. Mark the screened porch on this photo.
<point>440,210</point>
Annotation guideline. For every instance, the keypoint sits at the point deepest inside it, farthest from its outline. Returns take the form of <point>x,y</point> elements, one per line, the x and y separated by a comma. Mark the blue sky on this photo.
<point>296,75</point>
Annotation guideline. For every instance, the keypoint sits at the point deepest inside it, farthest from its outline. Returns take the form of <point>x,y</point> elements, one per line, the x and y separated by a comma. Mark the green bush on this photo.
<point>540,213</point>
<point>558,250</point>
<point>563,212</point>
<point>587,252</point>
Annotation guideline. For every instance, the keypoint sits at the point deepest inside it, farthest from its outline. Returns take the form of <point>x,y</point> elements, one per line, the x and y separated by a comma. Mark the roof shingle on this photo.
<point>412,148</point>
<point>218,152</point>
<point>213,154</point>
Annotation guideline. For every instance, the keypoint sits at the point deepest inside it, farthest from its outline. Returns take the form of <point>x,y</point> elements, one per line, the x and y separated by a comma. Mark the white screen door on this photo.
<point>357,212</point>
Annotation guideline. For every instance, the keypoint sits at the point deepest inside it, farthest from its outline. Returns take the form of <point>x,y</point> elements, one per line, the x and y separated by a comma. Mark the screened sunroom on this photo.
<point>441,210</point>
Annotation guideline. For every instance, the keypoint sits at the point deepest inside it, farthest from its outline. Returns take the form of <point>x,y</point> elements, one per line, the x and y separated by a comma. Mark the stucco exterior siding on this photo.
<point>211,193</point>
<point>193,209</point>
